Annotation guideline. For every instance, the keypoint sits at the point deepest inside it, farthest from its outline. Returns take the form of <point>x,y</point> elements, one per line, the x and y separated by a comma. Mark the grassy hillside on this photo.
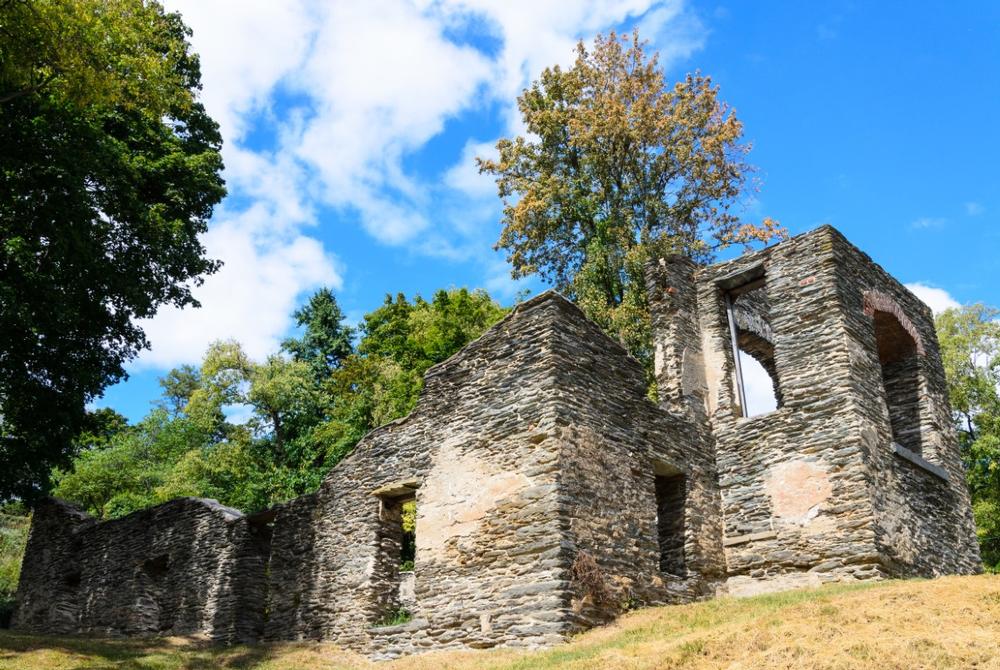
<point>946,623</point>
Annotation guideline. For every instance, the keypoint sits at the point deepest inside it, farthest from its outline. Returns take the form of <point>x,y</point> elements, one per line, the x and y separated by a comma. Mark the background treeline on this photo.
<point>253,433</point>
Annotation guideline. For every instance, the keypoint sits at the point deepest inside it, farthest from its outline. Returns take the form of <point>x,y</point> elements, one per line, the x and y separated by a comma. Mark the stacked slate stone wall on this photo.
<point>614,443</point>
<point>185,567</point>
<point>816,490</point>
<point>552,493</point>
<point>794,482</point>
<point>923,516</point>
<point>794,496</point>
<point>476,453</point>
<point>48,594</point>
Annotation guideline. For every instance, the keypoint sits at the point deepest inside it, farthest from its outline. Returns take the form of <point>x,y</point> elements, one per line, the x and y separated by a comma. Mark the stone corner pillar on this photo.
<point>678,363</point>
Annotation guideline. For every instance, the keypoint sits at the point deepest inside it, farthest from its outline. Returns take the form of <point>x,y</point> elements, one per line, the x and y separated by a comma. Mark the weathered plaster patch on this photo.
<point>798,490</point>
<point>462,492</point>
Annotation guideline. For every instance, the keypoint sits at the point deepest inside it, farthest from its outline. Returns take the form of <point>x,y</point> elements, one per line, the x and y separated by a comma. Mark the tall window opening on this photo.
<point>392,578</point>
<point>749,314</point>
<point>897,354</point>
<point>671,495</point>
<point>408,549</point>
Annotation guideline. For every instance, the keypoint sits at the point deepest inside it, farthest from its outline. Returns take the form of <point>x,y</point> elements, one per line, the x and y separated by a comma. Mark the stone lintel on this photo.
<point>919,461</point>
<point>749,537</point>
<point>397,489</point>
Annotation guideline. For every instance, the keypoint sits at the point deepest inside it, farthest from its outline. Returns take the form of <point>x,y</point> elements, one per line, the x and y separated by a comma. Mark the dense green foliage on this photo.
<point>616,168</point>
<point>970,350</point>
<point>109,170</point>
<point>14,522</point>
<point>301,412</point>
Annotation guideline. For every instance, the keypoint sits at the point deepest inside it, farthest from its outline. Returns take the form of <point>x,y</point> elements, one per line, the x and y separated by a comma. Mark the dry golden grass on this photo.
<point>952,622</point>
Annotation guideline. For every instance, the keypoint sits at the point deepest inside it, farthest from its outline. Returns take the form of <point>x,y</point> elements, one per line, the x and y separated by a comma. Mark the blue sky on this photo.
<point>350,130</point>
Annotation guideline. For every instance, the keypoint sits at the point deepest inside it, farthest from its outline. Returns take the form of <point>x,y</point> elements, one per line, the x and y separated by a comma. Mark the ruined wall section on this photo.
<point>189,566</point>
<point>615,442</point>
<point>478,454</point>
<point>48,595</point>
<point>924,524</point>
<point>794,482</point>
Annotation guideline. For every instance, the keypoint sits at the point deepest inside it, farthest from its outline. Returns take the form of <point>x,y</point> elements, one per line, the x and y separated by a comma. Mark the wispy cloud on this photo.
<point>928,222</point>
<point>974,208</point>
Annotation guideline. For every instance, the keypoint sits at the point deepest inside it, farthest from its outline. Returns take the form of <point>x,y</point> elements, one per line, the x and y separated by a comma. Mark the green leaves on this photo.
<point>109,170</point>
<point>326,341</point>
<point>618,165</point>
<point>969,340</point>
<point>306,412</point>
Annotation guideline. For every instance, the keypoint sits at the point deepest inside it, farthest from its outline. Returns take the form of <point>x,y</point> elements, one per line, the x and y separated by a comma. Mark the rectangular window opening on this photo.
<point>393,578</point>
<point>671,495</point>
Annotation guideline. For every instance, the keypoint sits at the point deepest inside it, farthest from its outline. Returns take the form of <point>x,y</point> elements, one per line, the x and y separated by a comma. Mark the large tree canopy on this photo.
<point>109,170</point>
<point>617,167</point>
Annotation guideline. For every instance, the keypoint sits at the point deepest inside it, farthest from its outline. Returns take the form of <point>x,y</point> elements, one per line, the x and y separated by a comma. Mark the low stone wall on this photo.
<point>186,567</point>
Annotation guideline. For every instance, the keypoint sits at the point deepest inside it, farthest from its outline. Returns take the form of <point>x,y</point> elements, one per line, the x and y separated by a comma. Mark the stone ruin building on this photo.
<point>551,493</point>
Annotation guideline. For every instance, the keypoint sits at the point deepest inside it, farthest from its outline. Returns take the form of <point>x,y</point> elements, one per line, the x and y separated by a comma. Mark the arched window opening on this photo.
<point>749,314</point>
<point>760,377</point>
<point>897,355</point>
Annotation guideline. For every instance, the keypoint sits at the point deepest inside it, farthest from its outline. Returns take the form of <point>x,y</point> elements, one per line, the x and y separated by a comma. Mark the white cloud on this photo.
<point>246,47</point>
<point>936,298</point>
<point>464,176</point>
<point>249,299</point>
<point>974,208</point>
<point>364,87</point>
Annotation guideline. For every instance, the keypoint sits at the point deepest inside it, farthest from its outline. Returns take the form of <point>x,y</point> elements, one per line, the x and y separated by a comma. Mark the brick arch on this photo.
<point>876,301</point>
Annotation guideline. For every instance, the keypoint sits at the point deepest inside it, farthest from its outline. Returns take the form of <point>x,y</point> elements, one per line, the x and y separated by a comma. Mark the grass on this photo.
<point>953,622</point>
<point>396,618</point>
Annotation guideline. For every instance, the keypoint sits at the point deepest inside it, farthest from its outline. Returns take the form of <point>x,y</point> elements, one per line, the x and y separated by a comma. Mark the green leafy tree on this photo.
<point>399,341</point>
<point>617,168</point>
<point>178,386</point>
<point>127,473</point>
<point>109,170</point>
<point>300,423</point>
<point>326,340</point>
<point>14,524</point>
<point>970,351</point>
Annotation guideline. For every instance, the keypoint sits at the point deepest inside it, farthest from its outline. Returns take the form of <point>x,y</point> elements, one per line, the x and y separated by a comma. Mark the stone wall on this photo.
<point>551,493</point>
<point>614,443</point>
<point>475,454</point>
<point>817,490</point>
<point>923,517</point>
<point>189,566</point>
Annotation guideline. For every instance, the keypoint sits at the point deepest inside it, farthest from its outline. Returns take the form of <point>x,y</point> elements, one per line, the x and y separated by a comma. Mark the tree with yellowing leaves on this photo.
<point>617,168</point>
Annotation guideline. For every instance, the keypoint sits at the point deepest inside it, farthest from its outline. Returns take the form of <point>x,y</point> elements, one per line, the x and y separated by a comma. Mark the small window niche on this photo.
<point>671,496</point>
<point>900,367</point>
<point>156,568</point>
<point>748,312</point>
<point>393,576</point>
